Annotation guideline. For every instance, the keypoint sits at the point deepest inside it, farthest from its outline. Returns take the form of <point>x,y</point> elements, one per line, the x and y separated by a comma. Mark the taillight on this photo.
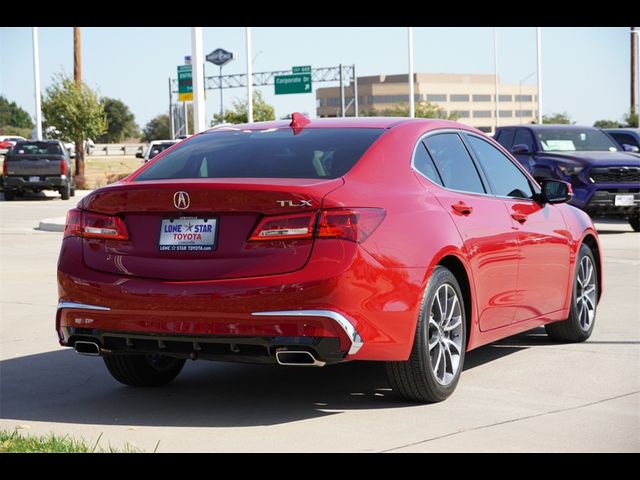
<point>63,167</point>
<point>94,225</point>
<point>355,224</point>
<point>285,227</point>
<point>4,168</point>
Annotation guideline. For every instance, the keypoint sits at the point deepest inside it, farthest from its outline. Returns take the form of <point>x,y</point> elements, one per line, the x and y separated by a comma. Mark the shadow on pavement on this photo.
<point>62,386</point>
<point>31,197</point>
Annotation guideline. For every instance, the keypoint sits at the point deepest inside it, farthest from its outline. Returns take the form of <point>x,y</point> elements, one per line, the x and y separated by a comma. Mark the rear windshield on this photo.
<point>272,153</point>
<point>36,148</point>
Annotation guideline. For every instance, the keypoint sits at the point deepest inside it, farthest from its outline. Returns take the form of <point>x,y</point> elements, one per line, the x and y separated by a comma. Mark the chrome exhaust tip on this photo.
<point>298,358</point>
<point>87,348</point>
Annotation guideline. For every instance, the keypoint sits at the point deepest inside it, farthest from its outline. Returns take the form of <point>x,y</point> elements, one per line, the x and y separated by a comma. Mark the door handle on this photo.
<point>519,217</point>
<point>462,208</point>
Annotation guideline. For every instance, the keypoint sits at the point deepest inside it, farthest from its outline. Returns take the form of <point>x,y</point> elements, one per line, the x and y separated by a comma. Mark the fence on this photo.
<point>106,149</point>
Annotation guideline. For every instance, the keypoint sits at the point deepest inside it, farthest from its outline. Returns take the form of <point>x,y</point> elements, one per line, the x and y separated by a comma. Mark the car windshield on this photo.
<point>575,139</point>
<point>36,148</point>
<point>271,153</point>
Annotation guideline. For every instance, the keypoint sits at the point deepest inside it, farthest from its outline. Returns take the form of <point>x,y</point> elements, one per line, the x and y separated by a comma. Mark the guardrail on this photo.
<point>106,149</point>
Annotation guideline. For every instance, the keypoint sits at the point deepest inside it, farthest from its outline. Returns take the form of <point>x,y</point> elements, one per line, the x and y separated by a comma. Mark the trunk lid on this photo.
<point>237,205</point>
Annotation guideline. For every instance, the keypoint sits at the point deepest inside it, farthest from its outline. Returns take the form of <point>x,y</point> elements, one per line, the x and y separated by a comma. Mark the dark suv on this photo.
<point>605,180</point>
<point>38,165</point>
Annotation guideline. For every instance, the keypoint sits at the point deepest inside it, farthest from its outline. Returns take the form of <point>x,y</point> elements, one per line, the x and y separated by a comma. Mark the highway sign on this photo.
<point>185,85</point>
<point>303,69</point>
<point>297,83</point>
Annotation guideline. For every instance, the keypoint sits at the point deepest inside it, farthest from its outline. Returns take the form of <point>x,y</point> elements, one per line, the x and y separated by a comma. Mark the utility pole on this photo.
<point>495,74</point>
<point>412,108</point>
<point>77,76</point>
<point>36,82</point>
<point>173,135</point>
<point>197,62</point>
<point>539,55</point>
<point>249,76</point>
<point>634,60</point>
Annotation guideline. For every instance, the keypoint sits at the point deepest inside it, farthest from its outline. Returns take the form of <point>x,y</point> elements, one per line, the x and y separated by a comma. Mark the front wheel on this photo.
<point>582,316</point>
<point>433,369</point>
<point>144,370</point>
<point>635,223</point>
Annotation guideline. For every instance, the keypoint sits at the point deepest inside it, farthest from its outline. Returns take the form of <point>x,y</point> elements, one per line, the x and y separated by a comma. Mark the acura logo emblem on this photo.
<point>181,200</point>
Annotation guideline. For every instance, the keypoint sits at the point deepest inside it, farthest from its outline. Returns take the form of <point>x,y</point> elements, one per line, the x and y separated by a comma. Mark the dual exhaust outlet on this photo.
<point>283,356</point>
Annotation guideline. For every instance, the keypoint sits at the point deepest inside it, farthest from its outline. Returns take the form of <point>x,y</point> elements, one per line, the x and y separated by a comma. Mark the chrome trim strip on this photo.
<point>349,329</point>
<point>83,306</point>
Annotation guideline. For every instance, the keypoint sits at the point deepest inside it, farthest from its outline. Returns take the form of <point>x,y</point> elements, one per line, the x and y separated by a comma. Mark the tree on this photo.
<point>158,128</point>
<point>12,115</point>
<point>75,113</point>
<point>558,118</point>
<point>121,123</point>
<point>631,120</point>
<point>262,111</point>
<point>423,109</point>
<point>607,124</point>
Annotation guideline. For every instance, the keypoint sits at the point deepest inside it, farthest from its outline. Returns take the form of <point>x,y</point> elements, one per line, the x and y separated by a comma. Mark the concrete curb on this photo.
<point>52,224</point>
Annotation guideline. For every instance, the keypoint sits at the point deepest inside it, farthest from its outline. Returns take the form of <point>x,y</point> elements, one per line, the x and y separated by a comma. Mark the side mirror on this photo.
<point>630,148</point>
<point>521,149</point>
<point>139,155</point>
<point>556,191</point>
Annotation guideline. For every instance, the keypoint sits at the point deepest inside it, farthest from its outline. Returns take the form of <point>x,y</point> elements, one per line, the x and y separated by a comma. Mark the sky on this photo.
<point>585,70</point>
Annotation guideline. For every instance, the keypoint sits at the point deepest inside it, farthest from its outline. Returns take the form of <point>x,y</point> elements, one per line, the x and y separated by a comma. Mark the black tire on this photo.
<point>72,190</point>
<point>414,379</point>
<point>65,193</point>
<point>570,330</point>
<point>9,195</point>
<point>143,370</point>
<point>635,223</point>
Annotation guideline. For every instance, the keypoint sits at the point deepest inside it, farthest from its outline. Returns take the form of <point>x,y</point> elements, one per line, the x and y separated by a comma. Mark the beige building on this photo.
<point>470,96</point>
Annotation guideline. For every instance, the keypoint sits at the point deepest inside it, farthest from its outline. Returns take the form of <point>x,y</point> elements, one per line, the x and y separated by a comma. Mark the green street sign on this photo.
<point>185,85</point>
<point>298,83</point>
<point>303,69</point>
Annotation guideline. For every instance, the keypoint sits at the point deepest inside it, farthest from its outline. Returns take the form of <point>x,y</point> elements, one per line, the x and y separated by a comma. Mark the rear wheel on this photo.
<point>143,370</point>
<point>579,326</point>
<point>635,223</point>
<point>72,190</point>
<point>65,192</point>
<point>433,369</point>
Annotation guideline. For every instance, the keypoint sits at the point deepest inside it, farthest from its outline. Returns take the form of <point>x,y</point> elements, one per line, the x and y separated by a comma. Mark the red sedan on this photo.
<point>310,243</point>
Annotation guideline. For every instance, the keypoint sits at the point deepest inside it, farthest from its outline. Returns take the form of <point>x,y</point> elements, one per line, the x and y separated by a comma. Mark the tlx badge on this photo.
<point>291,203</point>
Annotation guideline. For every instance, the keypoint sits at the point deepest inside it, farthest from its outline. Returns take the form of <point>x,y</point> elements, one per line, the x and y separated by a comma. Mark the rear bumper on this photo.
<point>45,183</point>
<point>369,310</point>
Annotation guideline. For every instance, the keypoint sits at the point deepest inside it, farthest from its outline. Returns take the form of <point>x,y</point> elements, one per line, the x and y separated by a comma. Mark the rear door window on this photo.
<point>453,162</point>
<point>271,153</point>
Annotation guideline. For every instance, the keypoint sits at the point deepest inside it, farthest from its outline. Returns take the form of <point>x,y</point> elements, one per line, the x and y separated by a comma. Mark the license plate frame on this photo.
<point>626,200</point>
<point>34,178</point>
<point>185,238</point>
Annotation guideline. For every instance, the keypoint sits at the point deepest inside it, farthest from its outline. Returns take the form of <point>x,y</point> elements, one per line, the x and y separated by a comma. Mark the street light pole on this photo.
<point>539,69</point>
<point>495,73</point>
<point>520,95</point>
<point>249,76</point>
<point>197,62</point>
<point>36,82</point>
<point>412,107</point>
<point>634,59</point>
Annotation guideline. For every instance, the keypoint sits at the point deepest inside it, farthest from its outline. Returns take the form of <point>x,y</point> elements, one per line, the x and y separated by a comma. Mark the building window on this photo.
<point>485,129</point>
<point>482,98</point>
<point>505,98</point>
<point>505,113</point>
<point>459,98</point>
<point>524,98</point>
<point>436,97</point>
<point>524,113</point>
<point>482,114</point>
<point>461,113</point>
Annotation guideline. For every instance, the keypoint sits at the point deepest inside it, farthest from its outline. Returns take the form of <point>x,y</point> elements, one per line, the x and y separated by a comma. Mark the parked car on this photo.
<point>8,141</point>
<point>156,147</point>
<point>38,165</point>
<point>627,138</point>
<point>409,241</point>
<point>605,180</point>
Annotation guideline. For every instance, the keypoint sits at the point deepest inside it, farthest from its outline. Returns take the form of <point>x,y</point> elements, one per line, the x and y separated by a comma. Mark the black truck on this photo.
<point>38,165</point>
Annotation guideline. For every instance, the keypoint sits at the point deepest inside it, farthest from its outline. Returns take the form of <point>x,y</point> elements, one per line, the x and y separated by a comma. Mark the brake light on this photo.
<point>4,168</point>
<point>355,224</point>
<point>285,227</point>
<point>94,225</point>
<point>63,167</point>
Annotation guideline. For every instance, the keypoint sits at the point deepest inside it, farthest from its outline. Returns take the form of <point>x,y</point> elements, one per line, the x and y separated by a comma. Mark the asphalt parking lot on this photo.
<point>521,394</point>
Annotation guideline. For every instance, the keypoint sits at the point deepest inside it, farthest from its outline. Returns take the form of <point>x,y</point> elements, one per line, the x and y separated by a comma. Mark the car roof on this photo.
<point>622,130</point>
<point>551,126</point>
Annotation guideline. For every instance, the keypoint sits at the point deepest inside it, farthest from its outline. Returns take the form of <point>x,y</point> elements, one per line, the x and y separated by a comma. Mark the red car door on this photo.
<point>482,221</point>
<point>543,239</point>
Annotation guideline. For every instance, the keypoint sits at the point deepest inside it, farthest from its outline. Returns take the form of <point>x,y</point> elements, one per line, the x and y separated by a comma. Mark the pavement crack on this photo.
<point>513,420</point>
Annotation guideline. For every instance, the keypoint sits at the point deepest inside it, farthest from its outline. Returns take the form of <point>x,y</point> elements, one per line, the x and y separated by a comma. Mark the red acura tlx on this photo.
<point>309,243</point>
